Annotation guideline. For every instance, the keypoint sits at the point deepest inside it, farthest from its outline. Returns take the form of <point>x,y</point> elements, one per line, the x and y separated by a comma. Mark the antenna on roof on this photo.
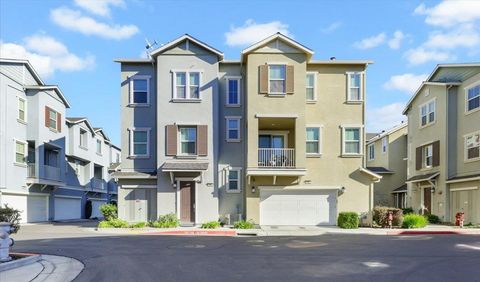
<point>149,46</point>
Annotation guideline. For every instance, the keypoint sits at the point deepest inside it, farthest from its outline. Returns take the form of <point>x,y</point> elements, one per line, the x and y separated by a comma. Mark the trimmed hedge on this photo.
<point>407,211</point>
<point>380,216</point>
<point>210,225</point>
<point>348,220</point>
<point>433,219</point>
<point>414,221</point>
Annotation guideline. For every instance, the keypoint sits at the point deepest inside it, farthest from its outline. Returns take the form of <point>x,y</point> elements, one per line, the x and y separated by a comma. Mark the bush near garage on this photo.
<point>210,225</point>
<point>414,221</point>
<point>138,225</point>
<point>114,223</point>
<point>407,210</point>
<point>12,216</point>
<point>109,211</point>
<point>348,220</point>
<point>166,221</point>
<point>433,219</point>
<point>244,224</point>
<point>380,216</point>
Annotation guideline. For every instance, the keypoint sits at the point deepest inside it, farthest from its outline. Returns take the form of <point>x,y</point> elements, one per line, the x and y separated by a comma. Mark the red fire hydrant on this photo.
<point>390,219</point>
<point>459,219</point>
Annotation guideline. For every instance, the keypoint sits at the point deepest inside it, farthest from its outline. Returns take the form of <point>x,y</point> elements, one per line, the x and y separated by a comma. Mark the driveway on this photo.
<point>327,257</point>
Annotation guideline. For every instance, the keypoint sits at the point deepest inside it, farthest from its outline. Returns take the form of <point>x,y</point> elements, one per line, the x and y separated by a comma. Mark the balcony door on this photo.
<point>271,141</point>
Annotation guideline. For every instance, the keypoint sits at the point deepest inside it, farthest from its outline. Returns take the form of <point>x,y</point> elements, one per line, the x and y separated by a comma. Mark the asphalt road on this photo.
<point>320,258</point>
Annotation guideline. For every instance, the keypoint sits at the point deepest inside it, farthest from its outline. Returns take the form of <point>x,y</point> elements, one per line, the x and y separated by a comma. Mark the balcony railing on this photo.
<point>97,183</point>
<point>276,158</point>
<point>31,171</point>
<point>51,172</point>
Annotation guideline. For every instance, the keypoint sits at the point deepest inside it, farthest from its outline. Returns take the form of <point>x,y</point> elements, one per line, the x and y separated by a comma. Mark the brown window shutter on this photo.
<point>436,153</point>
<point>263,79</point>
<point>59,122</point>
<point>289,80</point>
<point>171,140</point>
<point>418,158</point>
<point>47,116</point>
<point>202,140</point>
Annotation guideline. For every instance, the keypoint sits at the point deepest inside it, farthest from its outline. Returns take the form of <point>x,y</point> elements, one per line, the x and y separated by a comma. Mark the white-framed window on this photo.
<point>140,90</point>
<point>52,121</point>
<point>472,98</point>
<point>139,142</point>
<point>472,146</point>
<point>355,86</point>
<point>232,97</point>
<point>186,85</point>
<point>99,147</point>
<point>311,82</point>
<point>20,152</point>
<point>371,151</point>
<point>277,79</point>
<point>83,138</point>
<point>188,140</point>
<point>384,144</point>
<point>22,110</point>
<point>427,156</point>
<point>352,140</point>
<point>233,182</point>
<point>427,113</point>
<point>232,129</point>
<point>313,146</point>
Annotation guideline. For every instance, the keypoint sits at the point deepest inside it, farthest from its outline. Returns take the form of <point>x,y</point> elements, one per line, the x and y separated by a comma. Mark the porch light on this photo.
<point>253,189</point>
<point>174,185</point>
<point>432,190</point>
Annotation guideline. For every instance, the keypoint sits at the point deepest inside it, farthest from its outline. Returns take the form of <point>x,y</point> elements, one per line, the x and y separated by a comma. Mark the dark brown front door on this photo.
<point>187,201</point>
<point>427,200</point>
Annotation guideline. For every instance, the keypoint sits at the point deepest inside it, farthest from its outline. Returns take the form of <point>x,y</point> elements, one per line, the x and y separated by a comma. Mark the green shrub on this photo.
<point>243,224</point>
<point>109,211</point>
<point>11,215</point>
<point>211,225</point>
<point>407,211</point>
<point>119,223</point>
<point>380,216</point>
<point>166,221</point>
<point>433,219</point>
<point>414,221</point>
<point>104,224</point>
<point>348,220</point>
<point>138,225</point>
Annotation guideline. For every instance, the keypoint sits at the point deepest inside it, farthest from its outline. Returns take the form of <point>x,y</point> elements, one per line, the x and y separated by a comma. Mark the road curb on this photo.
<point>26,260</point>
<point>196,232</point>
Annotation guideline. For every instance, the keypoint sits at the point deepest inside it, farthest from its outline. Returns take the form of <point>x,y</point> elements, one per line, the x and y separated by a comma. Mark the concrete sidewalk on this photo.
<point>48,268</point>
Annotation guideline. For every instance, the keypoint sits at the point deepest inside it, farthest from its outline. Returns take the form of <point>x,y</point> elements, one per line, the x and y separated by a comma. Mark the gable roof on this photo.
<point>77,120</point>
<point>100,131</point>
<point>278,36</point>
<point>182,38</point>
<point>50,87</point>
<point>386,132</point>
<point>28,65</point>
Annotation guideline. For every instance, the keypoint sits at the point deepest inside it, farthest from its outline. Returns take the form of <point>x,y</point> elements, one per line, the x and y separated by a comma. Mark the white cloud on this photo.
<point>252,32</point>
<point>463,36</point>
<point>371,42</point>
<point>421,55</point>
<point>100,7</point>
<point>384,117</point>
<point>332,27</point>
<point>47,55</point>
<point>450,13</point>
<point>407,82</point>
<point>74,20</point>
<point>396,40</point>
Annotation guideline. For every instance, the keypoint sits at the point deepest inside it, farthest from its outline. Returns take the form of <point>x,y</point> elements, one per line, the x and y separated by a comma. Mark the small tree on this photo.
<point>12,216</point>
<point>109,211</point>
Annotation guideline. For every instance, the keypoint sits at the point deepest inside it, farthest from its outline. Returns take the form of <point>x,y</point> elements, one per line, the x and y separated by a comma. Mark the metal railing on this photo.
<point>31,170</point>
<point>276,158</point>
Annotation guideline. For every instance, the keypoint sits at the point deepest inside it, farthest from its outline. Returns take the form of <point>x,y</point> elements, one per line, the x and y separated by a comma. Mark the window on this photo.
<point>186,85</point>
<point>233,92</point>
<point>83,138</point>
<point>233,184</point>
<point>99,147</point>
<point>233,128</point>
<point>427,113</point>
<point>472,146</point>
<point>351,141</point>
<point>428,156</point>
<point>384,144</point>
<point>355,92</point>
<point>52,119</point>
<point>371,151</point>
<point>310,87</point>
<point>140,86</point>
<point>313,140</point>
<point>140,142</point>
<point>473,98</point>
<point>188,140</point>
<point>276,79</point>
<point>20,152</point>
<point>22,110</point>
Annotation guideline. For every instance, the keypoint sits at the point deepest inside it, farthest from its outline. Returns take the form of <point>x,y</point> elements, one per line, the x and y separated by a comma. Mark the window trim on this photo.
<point>227,129</point>
<point>227,91</point>
<point>384,144</point>
<point>314,100</point>
<point>361,87</point>
<point>98,141</point>
<point>284,65</point>
<point>352,126</point>
<point>132,92</point>
<point>25,152</point>
<point>179,141</point>
<point>371,149</point>
<point>465,151</point>
<point>50,119</point>
<point>429,123</point>
<point>187,85</point>
<point>131,153</point>
<point>319,141</point>
<point>425,156</point>
<point>473,85</point>
<point>24,120</point>
<point>239,180</point>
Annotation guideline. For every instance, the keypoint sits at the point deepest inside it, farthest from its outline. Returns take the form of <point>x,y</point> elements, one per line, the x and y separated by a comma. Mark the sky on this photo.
<point>73,43</point>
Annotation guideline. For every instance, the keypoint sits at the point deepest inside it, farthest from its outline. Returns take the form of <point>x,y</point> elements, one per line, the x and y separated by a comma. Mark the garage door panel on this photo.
<point>33,208</point>
<point>68,208</point>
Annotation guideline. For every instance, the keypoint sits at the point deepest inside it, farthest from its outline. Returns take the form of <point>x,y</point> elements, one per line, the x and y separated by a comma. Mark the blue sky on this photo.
<point>73,43</point>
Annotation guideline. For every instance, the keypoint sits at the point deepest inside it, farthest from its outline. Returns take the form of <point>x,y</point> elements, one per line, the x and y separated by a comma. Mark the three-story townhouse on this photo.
<point>444,143</point>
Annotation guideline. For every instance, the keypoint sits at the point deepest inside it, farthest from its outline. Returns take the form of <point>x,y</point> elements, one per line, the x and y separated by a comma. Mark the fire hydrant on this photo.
<point>5,241</point>
<point>390,219</point>
<point>459,219</point>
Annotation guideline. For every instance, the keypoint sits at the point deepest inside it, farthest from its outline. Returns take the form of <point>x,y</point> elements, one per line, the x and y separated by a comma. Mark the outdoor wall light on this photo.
<point>343,189</point>
<point>433,190</point>
<point>253,189</point>
<point>174,185</point>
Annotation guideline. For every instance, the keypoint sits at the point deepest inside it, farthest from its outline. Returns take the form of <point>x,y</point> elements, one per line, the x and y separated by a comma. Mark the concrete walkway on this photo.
<point>48,268</point>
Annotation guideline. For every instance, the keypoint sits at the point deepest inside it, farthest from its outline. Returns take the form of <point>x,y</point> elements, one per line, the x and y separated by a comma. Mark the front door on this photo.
<point>187,201</point>
<point>427,200</point>
<point>140,205</point>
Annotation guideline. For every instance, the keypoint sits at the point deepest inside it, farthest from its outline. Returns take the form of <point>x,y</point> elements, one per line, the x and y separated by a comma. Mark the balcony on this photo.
<point>45,174</point>
<point>97,184</point>
<point>276,158</point>
<point>51,172</point>
<point>31,171</point>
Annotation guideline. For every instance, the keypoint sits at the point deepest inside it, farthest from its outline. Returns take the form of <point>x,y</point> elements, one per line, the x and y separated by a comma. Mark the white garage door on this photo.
<point>96,208</point>
<point>68,208</point>
<point>33,208</point>
<point>298,207</point>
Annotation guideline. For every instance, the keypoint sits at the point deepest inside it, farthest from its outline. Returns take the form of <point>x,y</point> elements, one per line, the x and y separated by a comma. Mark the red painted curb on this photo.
<point>194,232</point>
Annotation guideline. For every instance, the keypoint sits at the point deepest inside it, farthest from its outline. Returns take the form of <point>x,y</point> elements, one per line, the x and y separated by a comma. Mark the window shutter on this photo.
<point>263,79</point>
<point>418,158</point>
<point>289,80</point>
<point>202,140</point>
<point>436,153</point>
<point>47,116</point>
<point>171,141</point>
<point>59,122</point>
